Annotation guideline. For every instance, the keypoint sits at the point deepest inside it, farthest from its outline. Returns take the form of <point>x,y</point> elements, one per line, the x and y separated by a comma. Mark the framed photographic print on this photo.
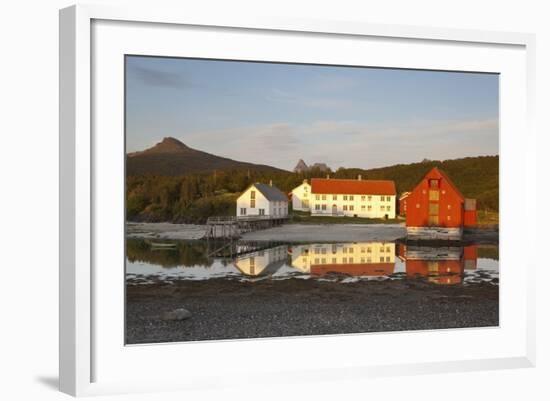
<point>256,191</point>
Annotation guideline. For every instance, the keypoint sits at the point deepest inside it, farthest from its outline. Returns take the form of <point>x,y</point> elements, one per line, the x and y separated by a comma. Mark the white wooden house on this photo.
<point>261,200</point>
<point>347,197</point>
<point>301,196</point>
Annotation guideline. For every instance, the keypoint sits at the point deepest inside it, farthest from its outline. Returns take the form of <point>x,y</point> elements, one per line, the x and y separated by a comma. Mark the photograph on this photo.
<point>271,199</point>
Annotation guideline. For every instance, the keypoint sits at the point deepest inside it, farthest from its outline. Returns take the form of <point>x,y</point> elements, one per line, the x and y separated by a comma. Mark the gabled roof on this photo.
<point>437,173</point>
<point>270,192</point>
<point>352,187</point>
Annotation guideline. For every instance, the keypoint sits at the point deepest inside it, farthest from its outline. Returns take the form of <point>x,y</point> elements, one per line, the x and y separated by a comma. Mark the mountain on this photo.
<point>301,167</point>
<point>171,157</point>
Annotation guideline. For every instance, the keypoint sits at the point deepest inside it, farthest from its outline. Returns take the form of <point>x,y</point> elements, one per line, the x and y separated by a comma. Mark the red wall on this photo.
<point>450,203</point>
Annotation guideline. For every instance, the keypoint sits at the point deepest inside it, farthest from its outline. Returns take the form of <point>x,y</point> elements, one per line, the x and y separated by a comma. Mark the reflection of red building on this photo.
<point>358,269</point>
<point>439,265</point>
<point>436,206</point>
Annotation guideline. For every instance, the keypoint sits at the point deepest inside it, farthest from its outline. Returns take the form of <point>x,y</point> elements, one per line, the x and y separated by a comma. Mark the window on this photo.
<point>252,203</point>
<point>317,197</point>
<point>252,194</point>
<point>434,195</point>
<point>323,260</point>
<point>387,258</point>
<point>382,250</point>
<point>262,212</point>
<point>334,261</point>
<point>382,208</point>
<point>350,207</point>
<point>324,197</point>
<point>362,250</point>
<point>344,250</point>
<point>243,211</point>
<point>350,250</point>
<point>351,197</point>
<point>345,197</point>
<point>324,207</point>
<point>369,250</point>
<point>317,207</point>
<point>369,208</point>
<point>344,260</point>
<point>369,260</point>
<point>382,259</point>
<point>350,260</point>
<point>362,208</point>
<point>434,184</point>
<point>316,251</point>
<point>388,249</point>
<point>382,198</point>
<point>369,198</point>
<point>345,207</point>
<point>362,260</point>
<point>363,197</point>
<point>334,197</point>
<point>316,261</point>
<point>323,251</point>
<point>388,208</point>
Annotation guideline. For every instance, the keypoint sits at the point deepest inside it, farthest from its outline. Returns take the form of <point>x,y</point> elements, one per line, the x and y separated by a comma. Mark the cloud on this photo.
<point>165,79</point>
<point>350,143</point>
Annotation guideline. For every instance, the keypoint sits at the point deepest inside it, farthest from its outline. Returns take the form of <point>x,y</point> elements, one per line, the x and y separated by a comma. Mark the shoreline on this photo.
<point>227,309</point>
<point>310,233</point>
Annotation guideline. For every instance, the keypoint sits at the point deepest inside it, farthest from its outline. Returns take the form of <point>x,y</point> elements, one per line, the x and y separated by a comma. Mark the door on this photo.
<point>334,210</point>
<point>433,215</point>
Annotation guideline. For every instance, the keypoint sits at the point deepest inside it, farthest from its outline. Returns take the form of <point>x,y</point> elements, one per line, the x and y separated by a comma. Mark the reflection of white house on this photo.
<point>362,258</point>
<point>300,197</point>
<point>262,200</point>
<point>345,197</point>
<point>262,262</point>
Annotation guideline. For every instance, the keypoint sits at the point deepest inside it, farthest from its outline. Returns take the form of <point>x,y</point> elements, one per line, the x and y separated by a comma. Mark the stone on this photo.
<point>176,314</point>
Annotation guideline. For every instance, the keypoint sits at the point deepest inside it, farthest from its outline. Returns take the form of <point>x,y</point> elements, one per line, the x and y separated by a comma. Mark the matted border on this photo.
<point>76,169</point>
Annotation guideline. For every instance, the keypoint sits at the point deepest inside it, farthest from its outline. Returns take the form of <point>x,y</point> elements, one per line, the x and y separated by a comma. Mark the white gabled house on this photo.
<point>300,197</point>
<point>262,200</point>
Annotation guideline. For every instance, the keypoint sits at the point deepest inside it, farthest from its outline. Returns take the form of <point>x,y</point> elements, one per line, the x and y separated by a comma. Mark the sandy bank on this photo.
<point>329,233</point>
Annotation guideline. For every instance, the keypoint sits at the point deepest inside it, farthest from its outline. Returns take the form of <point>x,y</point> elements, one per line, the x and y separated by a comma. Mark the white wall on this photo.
<point>300,195</point>
<point>360,204</point>
<point>29,302</point>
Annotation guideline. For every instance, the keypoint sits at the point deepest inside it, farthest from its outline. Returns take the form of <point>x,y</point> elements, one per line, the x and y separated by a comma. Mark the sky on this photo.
<point>276,114</point>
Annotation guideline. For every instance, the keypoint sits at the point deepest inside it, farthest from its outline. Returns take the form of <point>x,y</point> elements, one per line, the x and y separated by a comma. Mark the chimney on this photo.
<point>359,177</point>
<point>270,183</point>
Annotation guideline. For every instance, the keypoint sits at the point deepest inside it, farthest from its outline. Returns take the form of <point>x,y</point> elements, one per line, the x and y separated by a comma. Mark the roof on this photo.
<point>352,187</point>
<point>271,193</point>
<point>437,172</point>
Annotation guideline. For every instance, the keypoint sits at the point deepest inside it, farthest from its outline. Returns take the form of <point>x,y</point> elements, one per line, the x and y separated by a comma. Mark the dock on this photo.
<point>232,226</point>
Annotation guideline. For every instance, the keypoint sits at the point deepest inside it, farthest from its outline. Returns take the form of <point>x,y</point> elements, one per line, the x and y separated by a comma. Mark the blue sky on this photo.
<point>278,113</point>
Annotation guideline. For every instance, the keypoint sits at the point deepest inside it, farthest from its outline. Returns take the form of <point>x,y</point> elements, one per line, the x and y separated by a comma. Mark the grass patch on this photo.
<point>305,218</point>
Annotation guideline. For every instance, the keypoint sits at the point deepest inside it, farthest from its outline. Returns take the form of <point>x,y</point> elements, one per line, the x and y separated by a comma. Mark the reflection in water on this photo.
<point>346,262</point>
<point>354,259</point>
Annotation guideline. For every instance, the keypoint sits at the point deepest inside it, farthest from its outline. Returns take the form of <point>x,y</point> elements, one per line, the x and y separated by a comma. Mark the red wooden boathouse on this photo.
<point>436,209</point>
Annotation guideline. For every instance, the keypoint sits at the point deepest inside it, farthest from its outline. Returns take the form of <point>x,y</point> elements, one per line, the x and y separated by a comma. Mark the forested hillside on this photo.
<point>194,197</point>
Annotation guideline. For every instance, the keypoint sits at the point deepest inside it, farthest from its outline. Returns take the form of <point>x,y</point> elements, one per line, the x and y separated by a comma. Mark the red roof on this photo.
<point>352,187</point>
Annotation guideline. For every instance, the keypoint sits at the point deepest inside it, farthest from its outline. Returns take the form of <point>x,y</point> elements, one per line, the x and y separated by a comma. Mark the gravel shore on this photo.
<point>229,309</point>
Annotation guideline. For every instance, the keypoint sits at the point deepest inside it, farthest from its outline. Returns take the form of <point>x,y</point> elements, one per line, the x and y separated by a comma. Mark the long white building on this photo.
<point>347,197</point>
<point>262,200</point>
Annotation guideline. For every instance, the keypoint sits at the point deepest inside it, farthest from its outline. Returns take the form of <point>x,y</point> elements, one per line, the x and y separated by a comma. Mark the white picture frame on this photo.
<point>83,348</point>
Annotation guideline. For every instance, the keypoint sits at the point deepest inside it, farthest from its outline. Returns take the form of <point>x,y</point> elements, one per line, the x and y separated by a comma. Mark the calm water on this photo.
<point>150,261</point>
